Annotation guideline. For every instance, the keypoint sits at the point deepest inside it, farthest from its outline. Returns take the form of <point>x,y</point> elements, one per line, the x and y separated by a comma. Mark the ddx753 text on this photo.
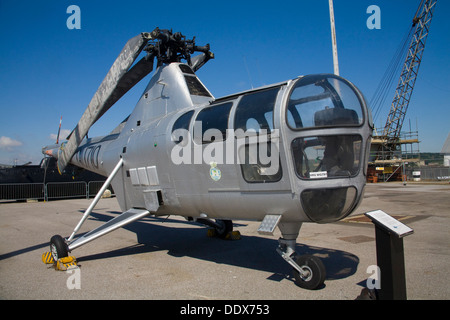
<point>246,309</point>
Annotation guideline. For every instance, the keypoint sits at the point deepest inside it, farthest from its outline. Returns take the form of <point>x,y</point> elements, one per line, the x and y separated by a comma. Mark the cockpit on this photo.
<point>307,137</point>
<point>326,116</point>
<point>318,104</point>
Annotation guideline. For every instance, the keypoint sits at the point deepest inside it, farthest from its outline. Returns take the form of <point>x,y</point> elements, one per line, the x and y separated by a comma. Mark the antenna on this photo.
<point>248,71</point>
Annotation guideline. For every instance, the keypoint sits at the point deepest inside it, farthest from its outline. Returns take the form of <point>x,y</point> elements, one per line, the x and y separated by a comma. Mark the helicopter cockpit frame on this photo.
<point>328,129</point>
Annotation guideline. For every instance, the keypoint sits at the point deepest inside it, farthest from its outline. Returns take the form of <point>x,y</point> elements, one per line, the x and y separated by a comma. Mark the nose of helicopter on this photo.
<point>328,131</point>
<point>327,205</point>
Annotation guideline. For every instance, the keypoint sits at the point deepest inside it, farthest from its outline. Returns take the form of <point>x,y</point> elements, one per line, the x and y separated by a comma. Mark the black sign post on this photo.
<point>389,234</point>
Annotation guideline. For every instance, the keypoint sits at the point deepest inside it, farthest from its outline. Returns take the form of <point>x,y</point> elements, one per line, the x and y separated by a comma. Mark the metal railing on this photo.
<point>430,173</point>
<point>22,191</point>
<point>50,190</point>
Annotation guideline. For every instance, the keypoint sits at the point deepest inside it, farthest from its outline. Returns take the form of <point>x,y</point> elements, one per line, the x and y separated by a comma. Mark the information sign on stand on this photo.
<point>390,224</point>
<point>390,255</point>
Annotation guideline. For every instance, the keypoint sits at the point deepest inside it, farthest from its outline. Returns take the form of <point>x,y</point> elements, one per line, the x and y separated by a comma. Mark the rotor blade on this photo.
<point>198,61</point>
<point>138,72</point>
<point>113,86</point>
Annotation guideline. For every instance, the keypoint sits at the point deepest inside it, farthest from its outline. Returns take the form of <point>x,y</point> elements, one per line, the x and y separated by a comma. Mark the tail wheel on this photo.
<point>58,247</point>
<point>314,272</point>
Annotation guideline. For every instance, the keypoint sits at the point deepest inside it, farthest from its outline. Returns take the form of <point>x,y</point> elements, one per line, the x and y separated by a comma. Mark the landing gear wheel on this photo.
<point>58,247</point>
<point>315,272</point>
<point>226,226</point>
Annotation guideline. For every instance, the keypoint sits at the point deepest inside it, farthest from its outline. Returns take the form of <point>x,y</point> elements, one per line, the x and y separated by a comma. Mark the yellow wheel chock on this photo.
<point>47,258</point>
<point>62,264</point>
<point>66,263</point>
<point>233,235</point>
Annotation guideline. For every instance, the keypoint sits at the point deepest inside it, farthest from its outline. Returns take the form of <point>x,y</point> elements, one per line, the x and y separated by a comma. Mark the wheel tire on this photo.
<point>316,270</point>
<point>226,227</point>
<point>58,247</point>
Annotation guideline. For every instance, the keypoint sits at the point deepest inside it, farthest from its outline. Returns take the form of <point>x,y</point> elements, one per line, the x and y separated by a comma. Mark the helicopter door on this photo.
<point>259,151</point>
<point>210,135</point>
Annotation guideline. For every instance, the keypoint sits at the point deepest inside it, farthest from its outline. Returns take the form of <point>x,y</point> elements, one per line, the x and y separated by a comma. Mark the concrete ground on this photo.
<point>167,259</point>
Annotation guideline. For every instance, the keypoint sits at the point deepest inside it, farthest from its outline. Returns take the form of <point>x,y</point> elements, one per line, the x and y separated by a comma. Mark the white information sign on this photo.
<point>381,218</point>
<point>318,175</point>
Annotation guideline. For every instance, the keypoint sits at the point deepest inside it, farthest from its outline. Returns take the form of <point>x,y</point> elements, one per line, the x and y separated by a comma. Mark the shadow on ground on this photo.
<point>181,239</point>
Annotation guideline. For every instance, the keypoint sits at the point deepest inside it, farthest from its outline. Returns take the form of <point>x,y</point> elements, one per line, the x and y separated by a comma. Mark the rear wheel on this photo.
<point>226,226</point>
<point>58,247</point>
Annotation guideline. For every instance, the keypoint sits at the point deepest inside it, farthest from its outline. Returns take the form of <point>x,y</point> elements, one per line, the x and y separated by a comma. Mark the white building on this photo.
<point>446,152</point>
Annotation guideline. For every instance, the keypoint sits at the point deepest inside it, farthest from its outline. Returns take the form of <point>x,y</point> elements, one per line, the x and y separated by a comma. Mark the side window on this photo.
<point>260,163</point>
<point>195,87</point>
<point>181,123</point>
<point>255,111</point>
<point>214,123</point>
<point>258,156</point>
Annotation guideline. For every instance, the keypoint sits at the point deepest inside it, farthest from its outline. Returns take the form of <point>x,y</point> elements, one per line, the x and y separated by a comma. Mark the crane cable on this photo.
<point>392,72</point>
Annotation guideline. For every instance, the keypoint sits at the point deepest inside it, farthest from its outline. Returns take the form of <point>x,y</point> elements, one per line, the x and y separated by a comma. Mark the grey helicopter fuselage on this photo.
<point>318,131</point>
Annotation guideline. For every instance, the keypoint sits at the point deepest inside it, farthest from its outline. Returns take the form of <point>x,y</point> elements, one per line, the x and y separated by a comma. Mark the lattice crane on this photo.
<point>408,76</point>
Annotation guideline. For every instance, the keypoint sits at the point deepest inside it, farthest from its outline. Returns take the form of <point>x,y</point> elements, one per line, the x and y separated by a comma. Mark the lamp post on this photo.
<point>333,39</point>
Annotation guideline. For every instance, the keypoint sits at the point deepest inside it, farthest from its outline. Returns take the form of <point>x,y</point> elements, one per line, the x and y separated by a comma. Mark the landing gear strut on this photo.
<point>308,270</point>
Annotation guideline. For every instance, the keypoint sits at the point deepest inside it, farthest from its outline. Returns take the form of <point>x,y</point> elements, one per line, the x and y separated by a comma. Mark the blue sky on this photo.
<point>48,71</point>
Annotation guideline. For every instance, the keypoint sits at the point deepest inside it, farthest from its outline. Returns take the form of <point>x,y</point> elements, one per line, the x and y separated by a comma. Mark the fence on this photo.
<point>429,173</point>
<point>50,190</point>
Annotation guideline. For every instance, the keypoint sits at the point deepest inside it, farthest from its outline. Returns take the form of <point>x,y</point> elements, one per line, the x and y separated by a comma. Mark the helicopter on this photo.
<point>282,154</point>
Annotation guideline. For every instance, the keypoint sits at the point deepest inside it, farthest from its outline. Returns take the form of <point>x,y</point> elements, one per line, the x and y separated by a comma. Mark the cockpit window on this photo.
<point>327,156</point>
<point>318,101</point>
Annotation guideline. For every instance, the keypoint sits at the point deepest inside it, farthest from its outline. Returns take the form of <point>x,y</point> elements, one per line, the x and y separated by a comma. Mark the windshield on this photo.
<point>323,101</point>
<point>327,156</point>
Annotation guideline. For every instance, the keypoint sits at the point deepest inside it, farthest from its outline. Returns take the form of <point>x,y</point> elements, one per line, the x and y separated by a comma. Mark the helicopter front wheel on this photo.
<point>313,275</point>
